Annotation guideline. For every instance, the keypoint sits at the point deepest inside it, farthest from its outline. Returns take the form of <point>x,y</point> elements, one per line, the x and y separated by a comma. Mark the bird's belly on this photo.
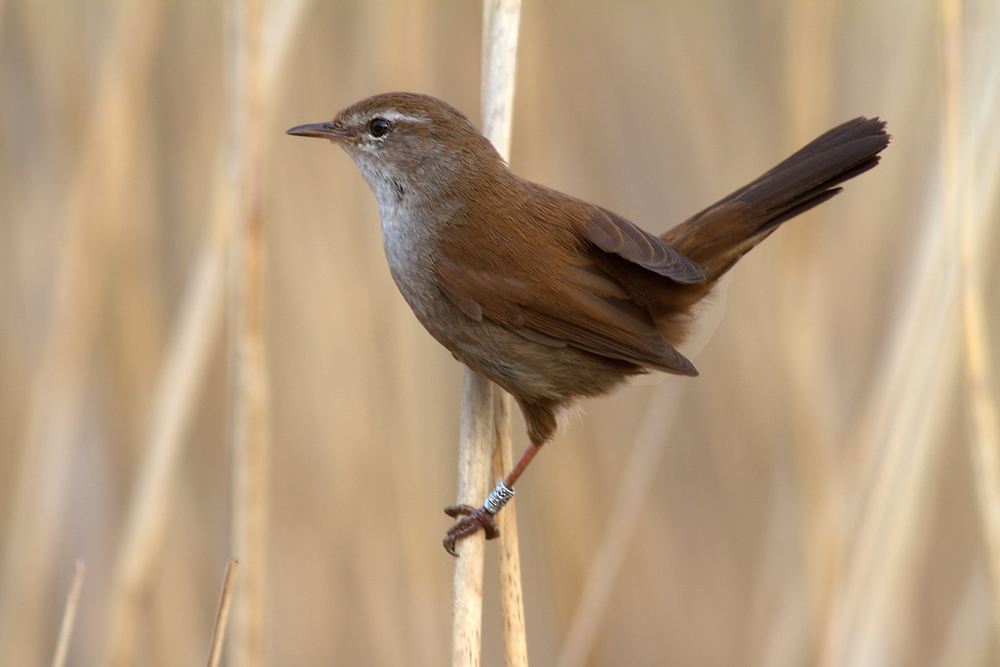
<point>527,369</point>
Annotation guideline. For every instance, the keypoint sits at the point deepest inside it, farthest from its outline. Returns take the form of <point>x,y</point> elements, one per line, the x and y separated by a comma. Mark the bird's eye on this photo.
<point>379,127</point>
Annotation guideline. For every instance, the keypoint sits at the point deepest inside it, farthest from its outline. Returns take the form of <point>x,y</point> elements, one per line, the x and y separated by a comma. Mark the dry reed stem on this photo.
<point>501,23</point>
<point>501,28</point>
<point>641,470</point>
<point>250,417</point>
<point>482,416</point>
<point>179,385</point>
<point>89,242</point>
<point>69,616</point>
<point>907,409</point>
<point>178,388</point>
<point>900,437</point>
<point>515,637</point>
<point>973,233</point>
<point>222,616</point>
<point>803,303</point>
<point>901,429</point>
<point>905,417</point>
<point>478,433</point>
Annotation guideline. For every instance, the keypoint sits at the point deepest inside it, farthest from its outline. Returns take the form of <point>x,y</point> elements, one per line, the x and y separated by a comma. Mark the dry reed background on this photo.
<point>817,492</point>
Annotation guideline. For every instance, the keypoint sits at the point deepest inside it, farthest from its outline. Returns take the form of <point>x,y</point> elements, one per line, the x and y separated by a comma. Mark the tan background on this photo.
<point>815,499</point>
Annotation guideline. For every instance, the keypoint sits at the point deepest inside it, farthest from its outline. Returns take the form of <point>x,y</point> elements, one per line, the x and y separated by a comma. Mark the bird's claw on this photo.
<point>472,519</point>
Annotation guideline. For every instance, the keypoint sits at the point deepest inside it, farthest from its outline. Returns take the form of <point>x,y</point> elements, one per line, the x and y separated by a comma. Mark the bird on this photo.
<point>553,298</point>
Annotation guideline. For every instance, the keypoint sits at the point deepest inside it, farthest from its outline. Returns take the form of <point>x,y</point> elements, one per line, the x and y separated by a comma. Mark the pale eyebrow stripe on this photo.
<point>396,115</point>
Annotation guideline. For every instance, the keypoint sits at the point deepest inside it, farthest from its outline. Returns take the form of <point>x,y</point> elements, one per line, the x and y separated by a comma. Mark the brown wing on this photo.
<point>585,309</point>
<point>615,234</point>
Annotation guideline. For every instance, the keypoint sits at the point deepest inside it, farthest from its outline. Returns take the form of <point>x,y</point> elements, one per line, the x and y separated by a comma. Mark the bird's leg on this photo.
<point>472,518</point>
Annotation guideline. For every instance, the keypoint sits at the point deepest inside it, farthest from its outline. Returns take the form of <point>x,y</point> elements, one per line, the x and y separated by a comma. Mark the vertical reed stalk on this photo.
<point>485,419</point>
<point>249,426</point>
<point>515,638</point>
<point>901,438</point>
<point>960,204</point>
<point>179,385</point>
<point>178,388</point>
<point>810,59</point>
<point>88,243</point>
<point>478,435</point>
<point>69,616</point>
<point>501,27</point>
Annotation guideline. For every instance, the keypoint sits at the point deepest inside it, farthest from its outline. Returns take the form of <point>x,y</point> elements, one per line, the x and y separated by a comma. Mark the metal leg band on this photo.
<point>498,498</point>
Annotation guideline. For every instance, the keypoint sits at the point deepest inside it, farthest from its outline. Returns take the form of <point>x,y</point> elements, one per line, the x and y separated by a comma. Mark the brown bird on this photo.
<point>548,296</point>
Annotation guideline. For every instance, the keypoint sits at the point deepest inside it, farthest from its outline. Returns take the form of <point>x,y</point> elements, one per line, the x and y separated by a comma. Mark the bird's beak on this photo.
<point>320,130</point>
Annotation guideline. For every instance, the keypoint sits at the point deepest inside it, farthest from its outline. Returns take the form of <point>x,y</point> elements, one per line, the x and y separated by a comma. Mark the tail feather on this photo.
<point>718,236</point>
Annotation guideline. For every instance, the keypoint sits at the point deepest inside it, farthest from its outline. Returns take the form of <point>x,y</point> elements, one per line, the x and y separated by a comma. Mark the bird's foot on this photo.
<point>472,518</point>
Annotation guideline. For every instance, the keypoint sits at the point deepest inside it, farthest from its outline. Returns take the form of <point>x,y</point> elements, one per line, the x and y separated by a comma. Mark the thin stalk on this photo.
<point>180,382</point>
<point>477,436</point>
<point>178,387</point>
<point>482,415</point>
<point>89,242</point>
<point>222,616</point>
<point>515,638</point>
<point>69,616</point>
<point>501,23</point>
<point>901,440</point>
<point>984,440</point>
<point>250,416</point>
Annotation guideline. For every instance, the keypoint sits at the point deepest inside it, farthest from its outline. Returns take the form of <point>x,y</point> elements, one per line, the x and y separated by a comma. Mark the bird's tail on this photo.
<point>718,236</point>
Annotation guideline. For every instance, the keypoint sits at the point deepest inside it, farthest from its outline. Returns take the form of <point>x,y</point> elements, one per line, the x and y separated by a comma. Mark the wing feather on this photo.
<point>588,310</point>
<point>613,233</point>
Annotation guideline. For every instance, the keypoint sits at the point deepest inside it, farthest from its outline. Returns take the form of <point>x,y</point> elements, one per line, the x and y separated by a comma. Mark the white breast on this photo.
<point>411,252</point>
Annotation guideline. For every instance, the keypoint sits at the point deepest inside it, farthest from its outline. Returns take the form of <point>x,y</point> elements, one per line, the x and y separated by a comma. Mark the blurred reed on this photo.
<point>89,241</point>
<point>222,617</point>
<point>962,211</point>
<point>69,617</point>
<point>250,390</point>
<point>824,494</point>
